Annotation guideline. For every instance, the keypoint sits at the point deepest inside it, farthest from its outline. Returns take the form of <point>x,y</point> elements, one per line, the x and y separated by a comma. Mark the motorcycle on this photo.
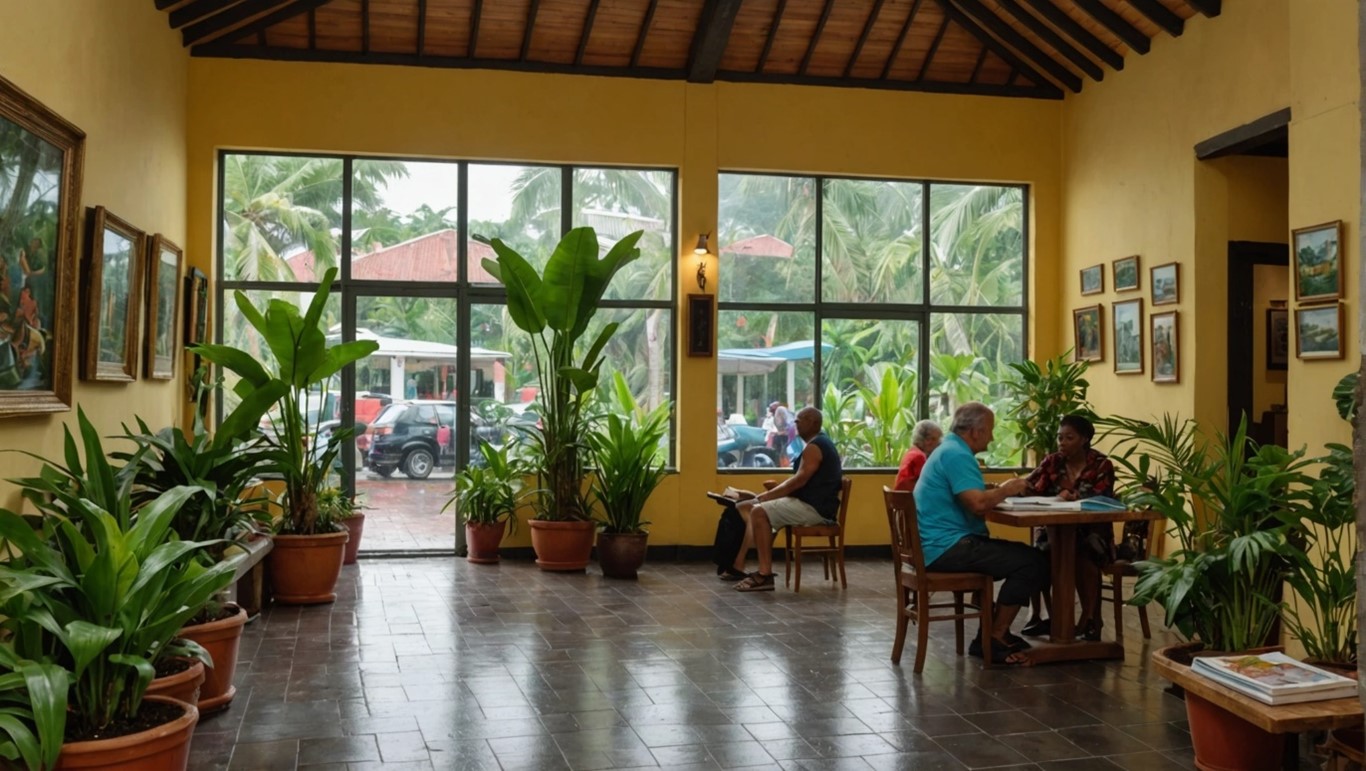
<point>744,446</point>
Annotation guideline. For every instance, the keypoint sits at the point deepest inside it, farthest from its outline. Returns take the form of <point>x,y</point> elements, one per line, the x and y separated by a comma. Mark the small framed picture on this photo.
<point>162,345</point>
<point>113,288</point>
<point>1277,338</point>
<point>1166,337</point>
<point>1318,262</point>
<point>1318,332</point>
<point>1093,279</point>
<point>1088,334</point>
<point>701,331</point>
<point>1128,325</point>
<point>1165,283</point>
<point>1126,273</point>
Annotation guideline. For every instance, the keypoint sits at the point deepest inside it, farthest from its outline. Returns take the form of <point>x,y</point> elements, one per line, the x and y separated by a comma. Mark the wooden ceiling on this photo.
<point>1022,48</point>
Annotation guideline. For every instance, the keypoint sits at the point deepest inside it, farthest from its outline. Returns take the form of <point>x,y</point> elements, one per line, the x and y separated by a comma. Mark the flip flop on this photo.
<point>756,582</point>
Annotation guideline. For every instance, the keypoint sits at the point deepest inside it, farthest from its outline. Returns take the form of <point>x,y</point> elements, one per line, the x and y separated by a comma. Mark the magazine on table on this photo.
<point>730,495</point>
<point>1274,678</point>
<point>1054,503</point>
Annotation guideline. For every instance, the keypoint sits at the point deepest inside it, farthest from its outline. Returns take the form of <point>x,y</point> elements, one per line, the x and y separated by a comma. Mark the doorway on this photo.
<point>1258,339</point>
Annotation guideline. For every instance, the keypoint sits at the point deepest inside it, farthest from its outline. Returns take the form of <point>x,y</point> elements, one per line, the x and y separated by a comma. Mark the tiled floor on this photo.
<point>405,514</point>
<point>437,664</point>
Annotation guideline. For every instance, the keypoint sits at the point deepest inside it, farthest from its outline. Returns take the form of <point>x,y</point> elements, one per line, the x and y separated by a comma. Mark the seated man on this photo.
<point>925,437</point>
<point>952,501</point>
<point>809,497</point>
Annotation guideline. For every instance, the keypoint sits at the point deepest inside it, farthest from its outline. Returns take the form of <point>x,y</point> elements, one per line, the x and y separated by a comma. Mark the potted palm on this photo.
<point>629,454</point>
<point>309,544</point>
<point>486,496</point>
<point>555,308</point>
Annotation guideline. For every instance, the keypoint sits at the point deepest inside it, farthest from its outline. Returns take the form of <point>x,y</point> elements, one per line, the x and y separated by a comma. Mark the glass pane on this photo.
<point>503,376</point>
<point>766,238</point>
<point>764,358</point>
<point>403,219</point>
<point>871,242</point>
<point>977,240</point>
<point>237,332</point>
<point>970,354</point>
<point>616,202</point>
<point>871,397</point>
<point>518,204</point>
<point>281,217</point>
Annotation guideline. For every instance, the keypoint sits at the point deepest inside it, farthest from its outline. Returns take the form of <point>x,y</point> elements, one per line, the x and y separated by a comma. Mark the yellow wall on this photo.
<point>700,129</point>
<point>112,68</point>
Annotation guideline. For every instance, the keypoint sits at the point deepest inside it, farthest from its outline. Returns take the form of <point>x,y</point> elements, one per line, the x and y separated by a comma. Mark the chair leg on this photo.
<point>903,617</point>
<point>958,622</point>
<point>839,560</point>
<point>987,618</point>
<point>797,559</point>
<point>1143,620</point>
<point>787,556</point>
<point>922,635</point>
<point>1117,597</point>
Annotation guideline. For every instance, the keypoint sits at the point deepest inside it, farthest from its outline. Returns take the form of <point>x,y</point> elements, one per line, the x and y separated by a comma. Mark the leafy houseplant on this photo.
<point>555,309</point>
<point>1042,396</point>
<point>487,497</point>
<point>335,506</point>
<point>627,452</point>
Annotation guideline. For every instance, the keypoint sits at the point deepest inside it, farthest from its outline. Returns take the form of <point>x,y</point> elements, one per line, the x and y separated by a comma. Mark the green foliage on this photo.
<point>302,362</point>
<point>32,709</point>
<point>630,454</point>
<point>489,493</point>
<point>335,507</point>
<point>890,408</point>
<point>1043,395</point>
<point>555,309</point>
<point>1345,397</point>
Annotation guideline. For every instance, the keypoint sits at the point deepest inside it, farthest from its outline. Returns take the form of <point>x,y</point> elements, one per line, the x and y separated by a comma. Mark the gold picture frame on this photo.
<point>112,291</point>
<point>161,343</point>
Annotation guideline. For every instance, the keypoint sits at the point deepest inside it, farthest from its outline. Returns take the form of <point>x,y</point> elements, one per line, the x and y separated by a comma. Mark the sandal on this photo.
<point>1002,655</point>
<point>731,574</point>
<point>756,582</point>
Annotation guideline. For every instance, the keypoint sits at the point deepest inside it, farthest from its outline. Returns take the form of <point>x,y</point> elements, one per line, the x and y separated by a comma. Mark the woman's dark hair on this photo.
<point>1079,424</point>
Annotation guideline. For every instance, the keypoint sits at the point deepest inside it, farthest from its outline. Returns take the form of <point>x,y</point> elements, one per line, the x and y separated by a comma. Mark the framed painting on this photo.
<point>1128,326</point>
<point>1164,280</point>
<point>1126,273</point>
<point>1166,355</point>
<point>196,307</point>
<point>1318,332</point>
<point>701,333</point>
<point>41,160</point>
<point>1093,280</point>
<point>1318,262</point>
<point>113,278</point>
<point>1277,338</point>
<point>162,344</point>
<point>1088,334</point>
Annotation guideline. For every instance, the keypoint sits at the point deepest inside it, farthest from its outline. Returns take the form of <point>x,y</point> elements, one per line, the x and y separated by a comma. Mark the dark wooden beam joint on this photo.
<point>1118,27</point>
<point>196,10</point>
<point>1047,34</point>
<point>230,19</point>
<point>951,12</point>
<point>709,42</point>
<point>1020,43</point>
<point>1158,14</point>
<point>1238,140</point>
<point>1210,8</point>
<point>1068,26</point>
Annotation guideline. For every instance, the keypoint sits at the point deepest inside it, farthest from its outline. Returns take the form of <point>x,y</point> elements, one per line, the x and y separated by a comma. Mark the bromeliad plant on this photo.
<point>629,451</point>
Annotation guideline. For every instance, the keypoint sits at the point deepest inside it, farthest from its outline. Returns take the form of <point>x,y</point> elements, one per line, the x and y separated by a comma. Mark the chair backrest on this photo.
<point>905,529</point>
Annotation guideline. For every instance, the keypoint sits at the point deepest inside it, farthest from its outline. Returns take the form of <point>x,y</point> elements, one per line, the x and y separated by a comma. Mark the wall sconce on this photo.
<point>701,250</point>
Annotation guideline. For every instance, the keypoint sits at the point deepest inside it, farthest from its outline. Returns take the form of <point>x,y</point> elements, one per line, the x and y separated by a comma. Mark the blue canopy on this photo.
<point>757,361</point>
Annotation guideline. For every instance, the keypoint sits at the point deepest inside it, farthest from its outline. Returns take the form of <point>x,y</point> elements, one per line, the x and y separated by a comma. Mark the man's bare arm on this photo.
<point>979,502</point>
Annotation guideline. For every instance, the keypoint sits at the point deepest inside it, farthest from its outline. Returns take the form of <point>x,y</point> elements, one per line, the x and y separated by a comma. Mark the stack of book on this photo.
<point>1274,678</point>
<point>1053,503</point>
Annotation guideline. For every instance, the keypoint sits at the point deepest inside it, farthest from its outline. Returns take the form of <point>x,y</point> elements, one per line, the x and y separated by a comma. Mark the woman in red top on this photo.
<point>924,438</point>
<point>1076,471</point>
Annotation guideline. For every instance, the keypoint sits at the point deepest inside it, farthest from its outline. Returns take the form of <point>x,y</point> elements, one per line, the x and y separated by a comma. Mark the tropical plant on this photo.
<point>33,698</point>
<point>891,409</point>
<point>335,507</point>
<point>630,454</point>
<point>1043,395</point>
<point>304,364</point>
<point>1234,508</point>
<point>555,309</point>
<point>489,493</point>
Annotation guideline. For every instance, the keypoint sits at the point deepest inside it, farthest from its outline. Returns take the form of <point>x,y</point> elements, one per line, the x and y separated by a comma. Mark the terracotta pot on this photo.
<point>304,568</point>
<point>621,554</point>
<point>182,686</point>
<point>221,639</point>
<point>164,748</point>
<point>1225,742</point>
<point>355,525</point>
<point>562,546</point>
<point>482,540</point>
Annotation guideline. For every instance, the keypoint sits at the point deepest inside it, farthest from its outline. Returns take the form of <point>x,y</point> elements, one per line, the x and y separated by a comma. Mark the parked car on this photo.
<point>743,445</point>
<point>418,436</point>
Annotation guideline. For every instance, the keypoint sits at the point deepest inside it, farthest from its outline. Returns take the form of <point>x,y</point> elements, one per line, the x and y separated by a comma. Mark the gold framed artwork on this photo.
<point>1318,262</point>
<point>1128,326</point>
<point>1166,341</point>
<point>1093,279</point>
<point>1164,281</point>
<point>1318,332</point>
<point>1125,271</point>
<point>162,344</point>
<point>113,283</point>
<point>1088,334</point>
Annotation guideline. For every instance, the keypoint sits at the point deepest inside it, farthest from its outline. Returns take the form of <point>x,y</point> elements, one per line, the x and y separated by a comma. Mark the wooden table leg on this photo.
<point>1062,551</point>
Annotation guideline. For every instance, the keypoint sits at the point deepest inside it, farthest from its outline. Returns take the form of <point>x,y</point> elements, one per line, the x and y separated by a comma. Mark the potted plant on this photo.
<point>628,452</point>
<point>486,496</point>
<point>335,504</point>
<point>1042,396</point>
<point>309,545</point>
<point>555,308</point>
<point>1234,508</point>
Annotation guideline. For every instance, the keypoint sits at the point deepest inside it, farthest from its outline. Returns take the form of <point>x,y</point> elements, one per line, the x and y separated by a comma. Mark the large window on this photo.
<point>880,301</point>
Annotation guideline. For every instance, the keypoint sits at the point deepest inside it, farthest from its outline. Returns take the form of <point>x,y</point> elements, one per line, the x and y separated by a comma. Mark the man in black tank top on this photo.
<point>809,497</point>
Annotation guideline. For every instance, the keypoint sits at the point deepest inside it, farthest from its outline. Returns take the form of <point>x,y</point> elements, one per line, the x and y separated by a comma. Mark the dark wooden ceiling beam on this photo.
<point>530,27</point>
<point>863,38</point>
<point>1046,91</point>
<point>164,4</point>
<point>1210,8</point>
<point>1007,34</point>
<point>816,37</point>
<point>1072,29</point>
<point>421,26</point>
<point>1055,40</point>
<point>312,29</point>
<point>710,39</point>
<point>1158,14</point>
<point>258,15</point>
<point>900,39</point>
<point>977,68</point>
<point>644,32</point>
<point>196,10</point>
<point>587,31</point>
<point>365,26</point>
<point>1112,21</point>
<point>475,13</point>
<point>963,20</point>
<point>772,33</point>
<point>933,49</point>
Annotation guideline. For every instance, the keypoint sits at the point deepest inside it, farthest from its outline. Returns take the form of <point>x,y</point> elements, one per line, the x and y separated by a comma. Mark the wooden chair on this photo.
<point>914,585</point>
<point>1112,582</point>
<point>831,552</point>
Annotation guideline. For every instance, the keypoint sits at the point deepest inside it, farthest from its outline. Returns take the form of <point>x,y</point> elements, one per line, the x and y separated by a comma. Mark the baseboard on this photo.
<point>688,553</point>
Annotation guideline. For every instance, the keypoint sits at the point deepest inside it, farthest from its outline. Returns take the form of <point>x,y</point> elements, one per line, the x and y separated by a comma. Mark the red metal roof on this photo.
<point>426,258</point>
<point>759,246</point>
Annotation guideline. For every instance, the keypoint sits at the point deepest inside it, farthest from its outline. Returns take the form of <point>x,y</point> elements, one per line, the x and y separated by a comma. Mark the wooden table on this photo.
<point>1062,550</point>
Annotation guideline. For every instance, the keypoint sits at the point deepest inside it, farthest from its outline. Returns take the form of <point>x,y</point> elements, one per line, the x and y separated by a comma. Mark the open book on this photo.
<point>730,495</point>
<point>1054,503</point>
<point>1274,678</point>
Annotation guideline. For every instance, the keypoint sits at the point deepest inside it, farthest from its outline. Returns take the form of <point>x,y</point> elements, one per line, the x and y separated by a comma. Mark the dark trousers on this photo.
<point>1024,568</point>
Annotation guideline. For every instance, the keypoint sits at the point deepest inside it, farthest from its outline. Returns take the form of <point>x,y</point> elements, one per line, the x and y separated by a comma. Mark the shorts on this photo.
<point>783,512</point>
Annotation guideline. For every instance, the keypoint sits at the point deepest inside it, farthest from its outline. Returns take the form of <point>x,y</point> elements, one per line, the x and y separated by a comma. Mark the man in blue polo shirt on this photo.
<point>951,501</point>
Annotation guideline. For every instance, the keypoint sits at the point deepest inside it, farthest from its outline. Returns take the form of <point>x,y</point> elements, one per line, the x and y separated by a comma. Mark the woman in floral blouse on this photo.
<point>1076,471</point>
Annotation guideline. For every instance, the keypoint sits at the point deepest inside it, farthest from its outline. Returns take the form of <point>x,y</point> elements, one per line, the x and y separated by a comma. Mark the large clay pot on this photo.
<point>562,546</point>
<point>355,525</point>
<point>482,540</point>
<point>621,554</point>
<point>181,686</point>
<point>221,639</point>
<point>304,568</point>
<point>164,748</point>
<point>1225,742</point>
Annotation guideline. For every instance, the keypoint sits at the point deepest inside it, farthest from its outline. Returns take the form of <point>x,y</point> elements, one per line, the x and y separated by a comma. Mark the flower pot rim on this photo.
<point>187,718</point>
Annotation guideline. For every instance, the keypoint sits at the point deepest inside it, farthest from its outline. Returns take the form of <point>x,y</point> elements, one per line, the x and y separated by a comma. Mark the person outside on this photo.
<point>782,430</point>
<point>952,501</point>
<point>1074,472</point>
<point>925,437</point>
<point>809,497</point>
